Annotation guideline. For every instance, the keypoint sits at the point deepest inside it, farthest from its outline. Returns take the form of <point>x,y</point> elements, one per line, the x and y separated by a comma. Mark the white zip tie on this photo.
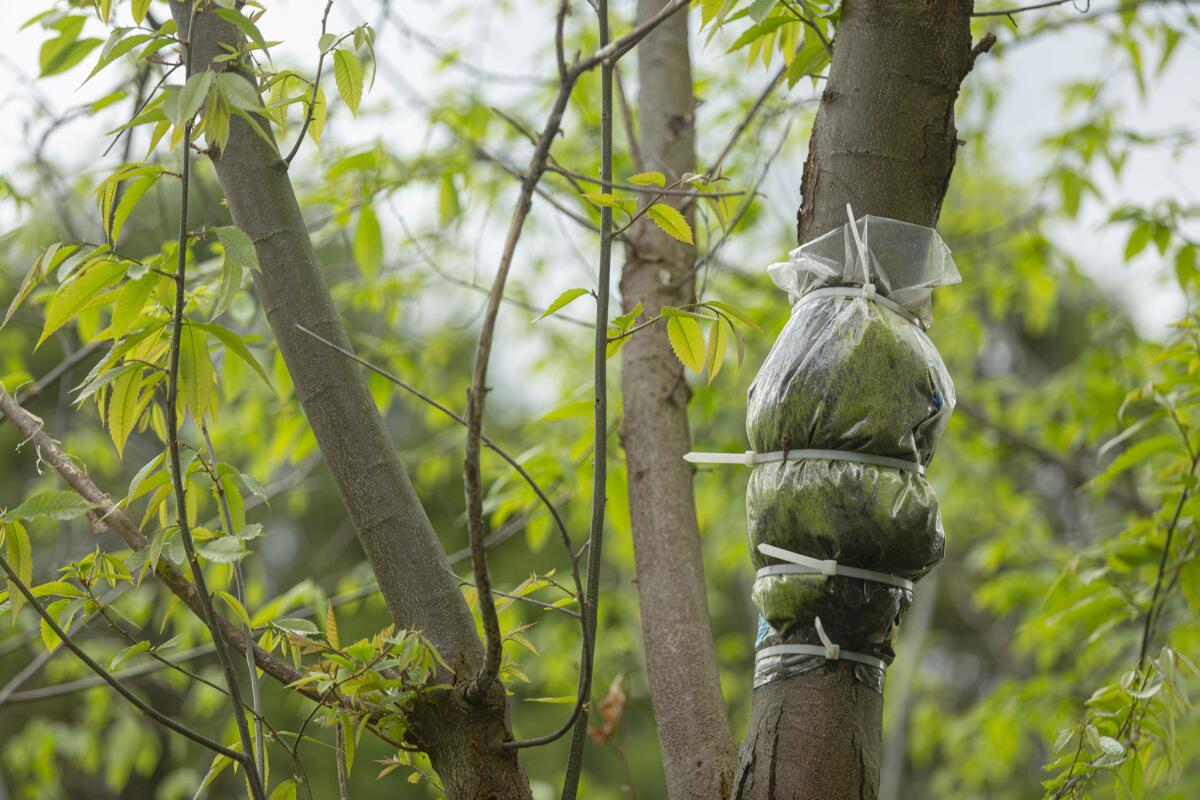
<point>807,565</point>
<point>832,651</point>
<point>750,458</point>
<point>828,650</point>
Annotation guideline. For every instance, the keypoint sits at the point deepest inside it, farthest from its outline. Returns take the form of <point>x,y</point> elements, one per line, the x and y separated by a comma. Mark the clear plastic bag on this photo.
<point>906,262</point>
<point>849,373</point>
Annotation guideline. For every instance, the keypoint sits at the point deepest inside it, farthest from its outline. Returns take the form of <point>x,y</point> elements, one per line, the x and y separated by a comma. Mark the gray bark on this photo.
<point>463,740</point>
<point>693,729</point>
<point>884,141</point>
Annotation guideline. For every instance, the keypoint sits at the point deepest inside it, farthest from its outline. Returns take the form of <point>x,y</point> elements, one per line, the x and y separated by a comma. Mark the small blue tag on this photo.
<point>937,400</point>
<point>764,630</point>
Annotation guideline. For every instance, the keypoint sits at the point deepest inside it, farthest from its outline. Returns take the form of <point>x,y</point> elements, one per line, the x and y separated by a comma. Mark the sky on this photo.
<point>516,43</point>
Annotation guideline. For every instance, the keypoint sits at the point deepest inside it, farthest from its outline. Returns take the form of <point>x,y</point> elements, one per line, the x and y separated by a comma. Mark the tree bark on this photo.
<point>685,691</point>
<point>462,740</point>
<point>884,141</point>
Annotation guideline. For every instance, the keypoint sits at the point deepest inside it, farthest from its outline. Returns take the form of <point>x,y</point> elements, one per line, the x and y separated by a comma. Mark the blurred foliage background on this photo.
<point>1011,661</point>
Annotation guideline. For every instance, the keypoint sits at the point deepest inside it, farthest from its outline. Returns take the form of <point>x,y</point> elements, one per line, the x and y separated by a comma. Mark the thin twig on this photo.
<point>1008,12</point>
<point>178,478</point>
<point>599,423</point>
<point>239,587</point>
<point>121,689</point>
<point>312,103</point>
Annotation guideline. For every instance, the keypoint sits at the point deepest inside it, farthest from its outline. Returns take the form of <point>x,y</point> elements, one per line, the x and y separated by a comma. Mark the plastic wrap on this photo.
<point>848,373</point>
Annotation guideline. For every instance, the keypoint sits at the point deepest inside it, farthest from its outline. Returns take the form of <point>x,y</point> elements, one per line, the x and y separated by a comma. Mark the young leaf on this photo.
<point>301,626</point>
<point>123,407</point>
<point>79,293</point>
<point>687,341</point>
<point>648,179</point>
<point>331,629</point>
<point>562,301</point>
<point>234,344</point>
<point>192,96</point>
<point>237,246</point>
<point>238,609</point>
<point>671,221</point>
<point>195,370</point>
<point>319,113</point>
<point>603,200</point>
<point>348,74</point>
<point>128,653</point>
<point>131,299</point>
<point>51,504</point>
<point>19,554</point>
<point>368,242</point>
<point>223,551</point>
<point>714,354</point>
<point>140,8</point>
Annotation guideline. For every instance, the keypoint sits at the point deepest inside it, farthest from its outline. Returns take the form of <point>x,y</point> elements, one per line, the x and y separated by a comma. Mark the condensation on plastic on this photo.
<point>907,262</point>
<point>848,374</point>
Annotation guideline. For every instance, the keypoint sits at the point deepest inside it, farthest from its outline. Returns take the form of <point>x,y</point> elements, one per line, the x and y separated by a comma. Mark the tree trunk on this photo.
<point>884,141</point>
<point>463,741</point>
<point>685,691</point>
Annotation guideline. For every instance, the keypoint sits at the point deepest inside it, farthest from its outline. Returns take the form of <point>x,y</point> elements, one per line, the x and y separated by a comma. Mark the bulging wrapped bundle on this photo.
<point>855,385</point>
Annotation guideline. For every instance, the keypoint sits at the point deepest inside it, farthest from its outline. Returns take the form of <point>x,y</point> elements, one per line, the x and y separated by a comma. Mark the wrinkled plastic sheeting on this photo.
<point>853,375</point>
<point>849,374</point>
<point>906,263</point>
<point>778,668</point>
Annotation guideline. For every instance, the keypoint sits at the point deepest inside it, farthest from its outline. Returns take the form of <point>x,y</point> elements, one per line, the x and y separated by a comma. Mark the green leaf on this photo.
<point>49,259</point>
<point>235,344</point>
<point>140,8</point>
<point>123,407</point>
<point>319,112</point>
<point>562,301</point>
<point>671,221</point>
<point>219,763</point>
<point>128,653</point>
<point>1135,455</point>
<point>239,92</point>
<point>129,200</point>
<point>78,293</point>
<point>1139,237</point>
<point>348,74</point>
<point>648,179</point>
<point>733,312</point>
<point>284,791</point>
<point>448,207</point>
<point>294,625</point>
<point>603,200</point>
<point>248,28</point>
<point>51,504</point>
<point>131,299</point>
<point>225,550</point>
<point>195,370</point>
<point>19,554</point>
<point>192,96</point>
<point>687,341</point>
<point>238,609</point>
<point>368,242</point>
<point>759,9</point>
<point>67,49</point>
<point>238,246</point>
<point>714,354</point>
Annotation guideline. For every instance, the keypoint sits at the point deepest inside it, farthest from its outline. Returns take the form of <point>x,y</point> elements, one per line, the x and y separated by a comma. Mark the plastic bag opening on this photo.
<point>906,262</point>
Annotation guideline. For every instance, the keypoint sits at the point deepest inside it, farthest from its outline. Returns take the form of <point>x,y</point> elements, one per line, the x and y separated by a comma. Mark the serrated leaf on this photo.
<point>331,629</point>
<point>123,407</point>
<point>348,74</point>
<point>563,700</point>
<point>687,341</point>
<point>131,299</point>
<point>561,302</point>
<point>295,625</point>
<point>248,28</point>
<point>78,293</point>
<point>195,370</point>
<point>603,200</point>
<point>192,96</point>
<point>671,221</point>
<point>140,8</point>
<point>51,504</point>
<point>733,312</point>
<point>368,242</point>
<point>50,258</point>
<point>319,113</point>
<point>648,179</point>
<point>226,550</point>
<point>238,246</point>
